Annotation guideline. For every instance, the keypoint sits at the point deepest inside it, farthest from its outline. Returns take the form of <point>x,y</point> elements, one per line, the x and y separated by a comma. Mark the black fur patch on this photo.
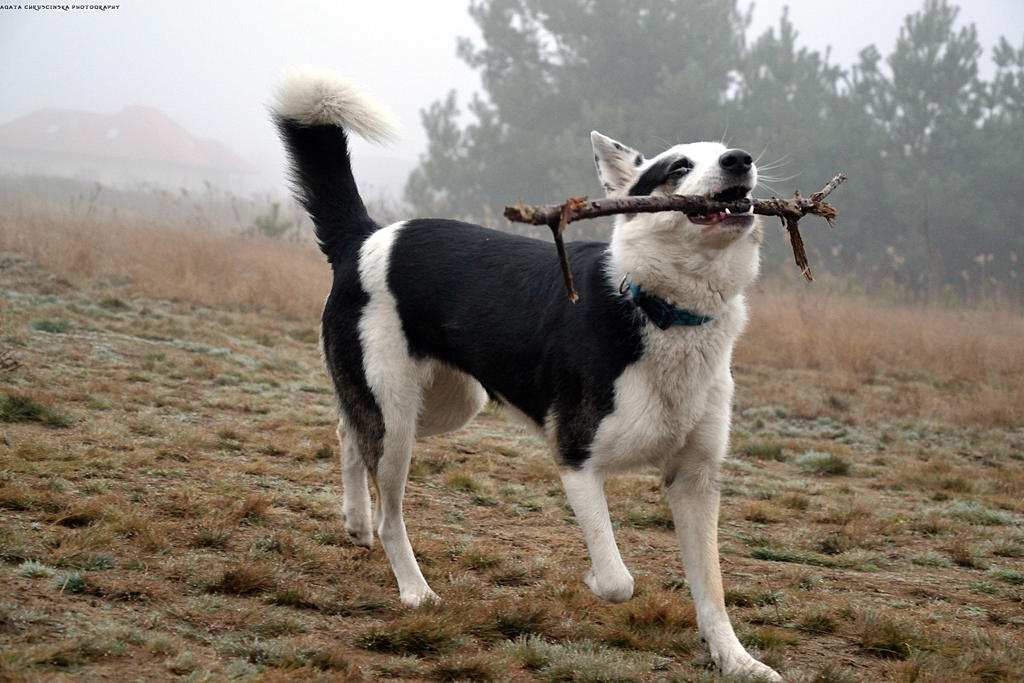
<point>322,178</point>
<point>493,305</point>
<point>655,176</point>
<point>343,354</point>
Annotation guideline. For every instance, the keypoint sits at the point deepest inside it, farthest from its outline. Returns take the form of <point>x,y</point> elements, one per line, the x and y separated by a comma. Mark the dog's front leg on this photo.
<point>608,576</point>
<point>692,492</point>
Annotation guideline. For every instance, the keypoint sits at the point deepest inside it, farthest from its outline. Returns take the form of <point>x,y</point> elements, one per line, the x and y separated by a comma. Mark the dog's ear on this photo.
<point>616,163</point>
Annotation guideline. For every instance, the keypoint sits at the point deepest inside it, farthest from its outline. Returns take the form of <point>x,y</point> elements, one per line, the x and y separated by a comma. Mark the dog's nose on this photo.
<point>736,161</point>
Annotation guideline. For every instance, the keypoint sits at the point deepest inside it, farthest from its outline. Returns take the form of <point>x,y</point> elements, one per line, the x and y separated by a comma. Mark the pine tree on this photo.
<point>554,70</point>
<point>933,152</point>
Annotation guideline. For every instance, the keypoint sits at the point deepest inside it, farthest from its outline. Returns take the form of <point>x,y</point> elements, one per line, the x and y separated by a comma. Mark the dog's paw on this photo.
<point>419,596</point>
<point>742,665</point>
<point>359,530</point>
<point>362,538</point>
<point>613,589</point>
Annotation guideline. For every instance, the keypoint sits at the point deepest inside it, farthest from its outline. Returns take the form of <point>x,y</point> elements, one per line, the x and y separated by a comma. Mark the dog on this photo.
<point>428,319</point>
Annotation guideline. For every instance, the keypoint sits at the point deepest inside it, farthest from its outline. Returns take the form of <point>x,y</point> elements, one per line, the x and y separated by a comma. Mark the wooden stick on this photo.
<point>789,211</point>
<point>558,227</point>
<point>548,214</point>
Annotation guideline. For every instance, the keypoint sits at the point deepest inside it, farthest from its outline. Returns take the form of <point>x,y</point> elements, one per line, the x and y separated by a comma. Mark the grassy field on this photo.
<point>170,492</point>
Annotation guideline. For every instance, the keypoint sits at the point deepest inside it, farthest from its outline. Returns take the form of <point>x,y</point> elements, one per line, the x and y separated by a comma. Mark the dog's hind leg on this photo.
<point>691,480</point>
<point>608,576</point>
<point>397,382</point>
<point>355,493</point>
<point>399,394</point>
<point>392,472</point>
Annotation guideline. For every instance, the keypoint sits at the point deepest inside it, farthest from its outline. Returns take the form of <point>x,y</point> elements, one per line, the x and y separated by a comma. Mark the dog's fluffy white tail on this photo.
<point>312,96</point>
<point>315,110</point>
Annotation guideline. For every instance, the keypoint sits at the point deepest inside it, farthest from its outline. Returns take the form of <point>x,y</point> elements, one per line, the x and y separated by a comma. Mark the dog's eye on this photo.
<point>679,168</point>
<point>663,171</point>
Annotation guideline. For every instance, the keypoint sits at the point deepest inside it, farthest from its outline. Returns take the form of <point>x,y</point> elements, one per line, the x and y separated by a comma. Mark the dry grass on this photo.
<point>957,366</point>
<point>812,330</point>
<point>962,367</point>
<point>184,519</point>
<point>205,268</point>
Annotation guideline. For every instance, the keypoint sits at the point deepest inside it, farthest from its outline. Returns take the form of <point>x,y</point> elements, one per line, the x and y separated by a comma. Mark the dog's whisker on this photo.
<point>768,178</point>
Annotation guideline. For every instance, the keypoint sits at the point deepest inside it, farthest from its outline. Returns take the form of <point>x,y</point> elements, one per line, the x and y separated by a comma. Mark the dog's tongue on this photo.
<point>709,218</point>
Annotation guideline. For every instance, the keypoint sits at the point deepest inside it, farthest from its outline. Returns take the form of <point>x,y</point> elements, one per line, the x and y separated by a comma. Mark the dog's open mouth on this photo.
<point>726,217</point>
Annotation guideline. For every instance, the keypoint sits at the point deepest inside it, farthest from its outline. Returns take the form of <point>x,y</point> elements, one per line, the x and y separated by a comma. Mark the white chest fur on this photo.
<point>682,378</point>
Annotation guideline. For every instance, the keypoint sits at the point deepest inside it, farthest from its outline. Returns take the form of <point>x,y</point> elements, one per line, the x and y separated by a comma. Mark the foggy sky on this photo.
<point>210,65</point>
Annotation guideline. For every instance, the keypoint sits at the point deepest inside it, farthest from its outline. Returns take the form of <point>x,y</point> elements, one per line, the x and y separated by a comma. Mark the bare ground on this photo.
<point>169,507</point>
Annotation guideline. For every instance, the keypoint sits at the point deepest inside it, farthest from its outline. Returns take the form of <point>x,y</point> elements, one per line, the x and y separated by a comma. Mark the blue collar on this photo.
<point>662,313</point>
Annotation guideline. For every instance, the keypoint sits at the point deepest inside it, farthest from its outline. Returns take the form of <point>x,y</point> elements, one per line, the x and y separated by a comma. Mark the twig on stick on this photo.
<point>564,216</point>
<point>789,211</point>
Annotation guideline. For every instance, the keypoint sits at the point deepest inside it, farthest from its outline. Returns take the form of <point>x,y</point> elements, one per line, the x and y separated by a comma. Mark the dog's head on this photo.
<point>706,169</point>
<point>669,247</point>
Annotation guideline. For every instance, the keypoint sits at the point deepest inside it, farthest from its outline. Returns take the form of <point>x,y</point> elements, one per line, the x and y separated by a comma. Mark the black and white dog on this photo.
<point>429,318</point>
